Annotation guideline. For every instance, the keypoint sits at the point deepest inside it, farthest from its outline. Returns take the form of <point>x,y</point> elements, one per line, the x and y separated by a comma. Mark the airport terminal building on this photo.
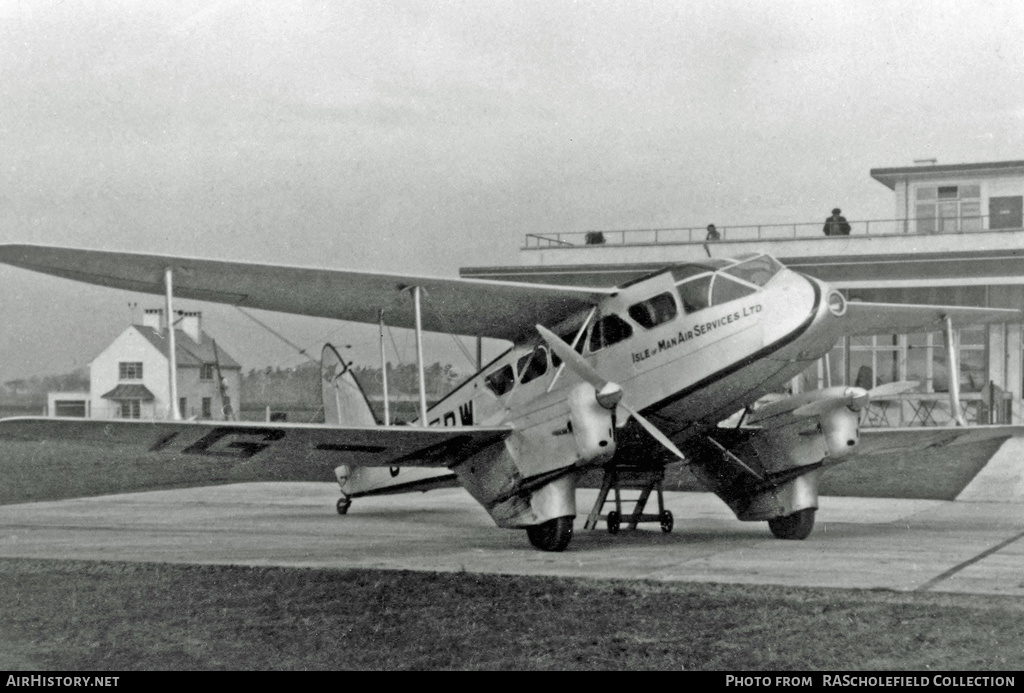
<point>956,237</point>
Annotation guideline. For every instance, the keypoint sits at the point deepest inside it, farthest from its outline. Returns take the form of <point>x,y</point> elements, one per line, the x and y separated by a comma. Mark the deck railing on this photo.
<point>758,232</point>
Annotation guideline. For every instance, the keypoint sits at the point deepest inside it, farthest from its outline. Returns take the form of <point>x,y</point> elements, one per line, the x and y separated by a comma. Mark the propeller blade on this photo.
<point>655,433</point>
<point>854,397</point>
<point>574,360</point>
<point>608,393</point>
<point>892,389</point>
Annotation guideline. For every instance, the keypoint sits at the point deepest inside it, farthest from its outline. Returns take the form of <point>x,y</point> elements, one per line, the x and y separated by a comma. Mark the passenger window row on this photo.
<point>696,293</point>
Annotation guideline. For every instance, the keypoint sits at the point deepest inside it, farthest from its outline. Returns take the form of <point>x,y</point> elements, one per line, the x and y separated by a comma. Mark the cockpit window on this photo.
<point>654,311</point>
<point>724,290</point>
<point>695,293</point>
<point>609,330</point>
<point>758,270</point>
<point>533,365</point>
<point>567,338</point>
<point>500,382</point>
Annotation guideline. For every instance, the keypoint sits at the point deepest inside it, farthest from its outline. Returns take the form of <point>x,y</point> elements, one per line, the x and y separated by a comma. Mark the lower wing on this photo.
<point>881,441</point>
<point>46,458</point>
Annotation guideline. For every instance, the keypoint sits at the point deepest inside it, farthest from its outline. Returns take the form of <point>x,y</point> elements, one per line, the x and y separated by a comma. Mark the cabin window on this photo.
<point>694,293</point>
<point>533,365</point>
<point>611,329</point>
<point>757,271</point>
<point>500,382</point>
<point>725,290</point>
<point>654,311</point>
<point>129,370</point>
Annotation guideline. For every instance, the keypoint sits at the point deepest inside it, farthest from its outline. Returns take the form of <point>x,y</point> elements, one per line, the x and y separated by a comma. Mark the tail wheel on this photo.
<point>667,521</point>
<point>553,535</point>
<point>795,526</point>
<point>343,505</point>
<point>614,520</point>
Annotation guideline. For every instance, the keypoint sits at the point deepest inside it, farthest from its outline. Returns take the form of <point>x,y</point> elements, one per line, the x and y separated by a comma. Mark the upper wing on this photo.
<point>503,310</point>
<point>888,318</point>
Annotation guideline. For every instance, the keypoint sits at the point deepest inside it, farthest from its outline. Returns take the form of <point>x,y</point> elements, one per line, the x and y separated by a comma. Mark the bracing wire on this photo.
<point>449,329</point>
<point>277,334</point>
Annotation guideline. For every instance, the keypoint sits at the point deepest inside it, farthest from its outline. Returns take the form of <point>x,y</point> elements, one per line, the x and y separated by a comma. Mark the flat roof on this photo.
<point>890,176</point>
<point>951,268</point>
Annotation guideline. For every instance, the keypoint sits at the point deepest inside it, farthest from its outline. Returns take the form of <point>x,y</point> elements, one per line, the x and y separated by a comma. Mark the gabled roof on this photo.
<point>190,352</point>
<point>889,176</point>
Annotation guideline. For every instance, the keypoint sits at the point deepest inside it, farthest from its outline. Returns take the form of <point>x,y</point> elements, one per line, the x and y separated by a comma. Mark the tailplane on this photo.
<point>346,404</point>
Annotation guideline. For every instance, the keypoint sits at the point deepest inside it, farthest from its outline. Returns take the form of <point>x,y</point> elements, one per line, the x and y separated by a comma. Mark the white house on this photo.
<point>130,380</point>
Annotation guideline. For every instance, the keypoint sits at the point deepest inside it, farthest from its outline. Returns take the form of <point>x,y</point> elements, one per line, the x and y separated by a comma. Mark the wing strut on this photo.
<point>384,373</point>
<point>953,364</point>
<point>416,291</point>
<point>172,351</point>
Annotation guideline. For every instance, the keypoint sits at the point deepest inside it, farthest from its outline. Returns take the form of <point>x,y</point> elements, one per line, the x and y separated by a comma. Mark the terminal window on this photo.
<point>948,208</point>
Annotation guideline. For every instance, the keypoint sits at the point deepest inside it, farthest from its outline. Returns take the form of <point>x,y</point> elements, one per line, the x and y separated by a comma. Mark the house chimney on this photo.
<point>154,317</point>
<point>190,323</point>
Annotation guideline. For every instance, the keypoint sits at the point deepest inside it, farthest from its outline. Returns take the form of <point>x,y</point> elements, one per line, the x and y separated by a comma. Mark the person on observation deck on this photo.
<point>836,225</point>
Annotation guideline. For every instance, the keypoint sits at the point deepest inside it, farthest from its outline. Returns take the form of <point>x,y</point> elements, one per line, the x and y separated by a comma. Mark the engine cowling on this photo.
<point>840,426</point>
<point>593,426</point>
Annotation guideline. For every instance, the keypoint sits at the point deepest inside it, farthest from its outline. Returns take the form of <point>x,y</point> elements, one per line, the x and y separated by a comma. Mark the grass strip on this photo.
<point>66,615</point>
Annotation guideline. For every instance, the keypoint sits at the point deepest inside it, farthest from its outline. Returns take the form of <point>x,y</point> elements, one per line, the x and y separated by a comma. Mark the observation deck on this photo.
<point>959,251</point>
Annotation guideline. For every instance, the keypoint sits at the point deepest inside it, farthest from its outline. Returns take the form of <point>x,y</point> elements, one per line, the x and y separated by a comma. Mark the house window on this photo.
<point>183,406</point>
<point>207,407</point>
<point>948,209</point>
<point>130,408</point>
<point>129,370</point>
<point>206,371</point>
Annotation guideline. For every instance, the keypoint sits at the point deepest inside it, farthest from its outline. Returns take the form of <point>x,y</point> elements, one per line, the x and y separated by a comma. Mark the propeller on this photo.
<point>607,393</point>
<point>856,398</point>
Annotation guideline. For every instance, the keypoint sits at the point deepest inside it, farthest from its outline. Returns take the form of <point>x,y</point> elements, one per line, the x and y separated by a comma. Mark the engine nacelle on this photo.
<point>593,426</point>
<point>840,427</point>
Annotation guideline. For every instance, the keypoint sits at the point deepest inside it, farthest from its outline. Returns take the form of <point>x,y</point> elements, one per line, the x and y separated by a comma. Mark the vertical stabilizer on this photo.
<point>345,403</point>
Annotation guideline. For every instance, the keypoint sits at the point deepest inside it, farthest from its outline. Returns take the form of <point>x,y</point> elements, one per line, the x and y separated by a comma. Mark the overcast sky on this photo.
<point>421,137</point>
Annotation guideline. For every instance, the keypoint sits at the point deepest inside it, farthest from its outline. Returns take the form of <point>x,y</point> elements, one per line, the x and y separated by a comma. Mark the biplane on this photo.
<point>626,378</point>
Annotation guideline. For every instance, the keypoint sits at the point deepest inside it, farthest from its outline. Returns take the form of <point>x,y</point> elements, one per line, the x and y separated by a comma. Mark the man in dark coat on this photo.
<point>836,224</point>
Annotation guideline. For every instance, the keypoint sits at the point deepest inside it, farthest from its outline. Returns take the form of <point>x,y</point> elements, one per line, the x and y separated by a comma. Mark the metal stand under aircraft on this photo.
<point>622,478</point>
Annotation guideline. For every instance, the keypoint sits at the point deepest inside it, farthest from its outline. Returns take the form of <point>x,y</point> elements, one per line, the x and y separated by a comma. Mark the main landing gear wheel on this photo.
<point>343,505</point>
<point>667,521</point>
<point>795,526</point>
<point>553,535</point>
<point>614,521</point>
